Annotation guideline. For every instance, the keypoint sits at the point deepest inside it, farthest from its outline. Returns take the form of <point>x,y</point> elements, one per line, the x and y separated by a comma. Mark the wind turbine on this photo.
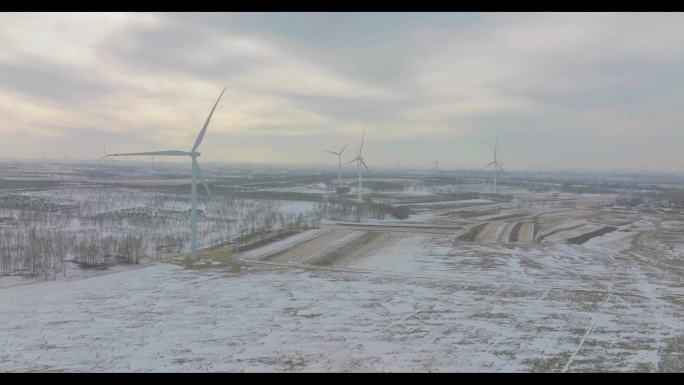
<point>196,172</point>
<point>339,162</point>
<point>359,161</point>
<point>104,157</point>
<point>497,165</point>
<point>436,163</point>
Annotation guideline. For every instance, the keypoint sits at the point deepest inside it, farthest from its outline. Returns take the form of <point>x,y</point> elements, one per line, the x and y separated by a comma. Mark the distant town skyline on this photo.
<point>567,91</point>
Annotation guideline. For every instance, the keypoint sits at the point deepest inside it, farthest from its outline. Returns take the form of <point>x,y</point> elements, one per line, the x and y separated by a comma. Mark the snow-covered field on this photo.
<point>533,283</point>
<point>278,318</point>
<point>360,298</point>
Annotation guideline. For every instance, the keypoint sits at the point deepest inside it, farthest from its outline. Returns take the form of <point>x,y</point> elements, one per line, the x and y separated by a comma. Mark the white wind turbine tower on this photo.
<point>436,163</point>
<point>196,172</point>
<point>359,161</point>
<point>497,164</point>
<point>104,157</point>
<point>339,162</point>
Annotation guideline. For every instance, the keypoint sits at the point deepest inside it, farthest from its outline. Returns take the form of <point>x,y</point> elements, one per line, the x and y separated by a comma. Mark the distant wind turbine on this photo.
<point>339,162</point>
<point>105,156</point>
<point>359,161</point>
<point>436,163</point>
<point>497,164</point>
<point>196,172</point>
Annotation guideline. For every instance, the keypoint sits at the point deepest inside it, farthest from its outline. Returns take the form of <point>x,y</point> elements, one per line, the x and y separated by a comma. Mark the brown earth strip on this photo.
<point>526,232</point>
<point>346,250</point>
<point>537,229</point>
<point>470,214</point>
<point>513,237</point>
<point>279,253</point>
<point>541,238</point>
<point>472,233</point>
<point>387,227</point>
<point>587,236</point>
<point>265,241</point>
<point>506,217</point>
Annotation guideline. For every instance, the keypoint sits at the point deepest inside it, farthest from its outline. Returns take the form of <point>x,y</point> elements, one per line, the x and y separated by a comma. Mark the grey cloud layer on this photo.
<point>542,83</point>
<point>35,77</point>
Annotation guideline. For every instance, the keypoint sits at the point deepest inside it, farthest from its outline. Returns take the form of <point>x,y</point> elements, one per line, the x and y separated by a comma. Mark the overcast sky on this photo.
<point>560,91</point>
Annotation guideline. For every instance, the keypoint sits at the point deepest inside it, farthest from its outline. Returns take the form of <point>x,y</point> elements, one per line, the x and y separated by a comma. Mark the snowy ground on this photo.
<point>471,285</point>
<point>485,309</point>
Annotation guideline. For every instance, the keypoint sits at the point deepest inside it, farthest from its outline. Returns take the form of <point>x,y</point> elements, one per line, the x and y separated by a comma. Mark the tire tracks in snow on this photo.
<point>411,315</point>
<point>468,360</point>
<point>594,322</point>
<point>432,278</point>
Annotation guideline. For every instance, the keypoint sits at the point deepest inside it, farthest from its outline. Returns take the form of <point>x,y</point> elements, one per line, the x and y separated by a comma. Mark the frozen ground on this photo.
<point>539,283</point>
<point>439,308</point>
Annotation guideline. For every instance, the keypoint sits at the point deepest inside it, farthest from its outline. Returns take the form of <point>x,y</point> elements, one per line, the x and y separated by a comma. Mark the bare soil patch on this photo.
<point>593,234</point>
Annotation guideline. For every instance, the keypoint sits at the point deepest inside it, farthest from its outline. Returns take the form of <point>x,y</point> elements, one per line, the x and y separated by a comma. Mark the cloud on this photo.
<point>549,86</point>
<point>60,83</point>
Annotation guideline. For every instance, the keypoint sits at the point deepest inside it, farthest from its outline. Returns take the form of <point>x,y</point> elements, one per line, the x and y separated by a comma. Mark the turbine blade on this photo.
<point>495,144</point>
<point>362,138</point>
<point>364,165</point>
<point>155,153</point>
<point>342,150</point>
<point>332,152</point>
<point>488,164</point>
<point>206,123</point>
<point>353,160</point>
